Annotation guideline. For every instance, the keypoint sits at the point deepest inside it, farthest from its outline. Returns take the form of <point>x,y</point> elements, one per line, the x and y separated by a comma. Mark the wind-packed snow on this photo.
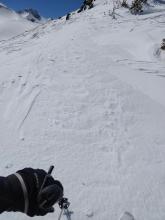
<point>87,95</point>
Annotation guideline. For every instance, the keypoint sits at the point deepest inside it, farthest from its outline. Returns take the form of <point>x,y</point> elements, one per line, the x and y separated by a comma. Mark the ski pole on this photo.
<point>67,213</point>
<point>64,204</point>
<point>44,181</point>
<point>60,213</point>
<point>47,175</point>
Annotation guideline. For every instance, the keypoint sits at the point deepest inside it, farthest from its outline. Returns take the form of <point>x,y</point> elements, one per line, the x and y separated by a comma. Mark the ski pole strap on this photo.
<point>25,193</point>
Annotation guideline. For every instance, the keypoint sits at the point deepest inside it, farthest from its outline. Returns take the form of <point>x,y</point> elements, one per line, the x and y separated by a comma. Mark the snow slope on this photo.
<point>87,95</point>
<point>12,24</point>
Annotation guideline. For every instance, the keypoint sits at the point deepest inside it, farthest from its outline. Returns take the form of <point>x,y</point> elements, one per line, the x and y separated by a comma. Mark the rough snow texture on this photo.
<point>87,95</point>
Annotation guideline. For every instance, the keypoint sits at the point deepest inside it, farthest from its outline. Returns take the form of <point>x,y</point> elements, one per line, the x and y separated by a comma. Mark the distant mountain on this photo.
<point>31,15</point>
<point>12,23</point>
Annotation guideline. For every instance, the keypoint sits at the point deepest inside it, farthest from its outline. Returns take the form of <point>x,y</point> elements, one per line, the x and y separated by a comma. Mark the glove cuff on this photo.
<point>25,193</point>
<point>14,193</point>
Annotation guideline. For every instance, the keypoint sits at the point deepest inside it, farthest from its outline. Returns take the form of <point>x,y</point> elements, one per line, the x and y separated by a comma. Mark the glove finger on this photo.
<point>49,196</point>
<point>51,209</point>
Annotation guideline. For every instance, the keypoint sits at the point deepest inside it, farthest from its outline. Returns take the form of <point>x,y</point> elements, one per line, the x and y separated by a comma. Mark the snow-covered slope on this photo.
<point>12,24</point>
<point>87,95</point>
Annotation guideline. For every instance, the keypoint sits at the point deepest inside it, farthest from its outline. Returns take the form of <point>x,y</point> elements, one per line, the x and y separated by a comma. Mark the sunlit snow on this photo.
<point>87,95</point>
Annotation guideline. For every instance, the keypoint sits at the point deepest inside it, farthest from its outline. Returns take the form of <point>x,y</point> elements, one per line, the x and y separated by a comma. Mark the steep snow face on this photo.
<point>11,23</point>
<point>88,96</point>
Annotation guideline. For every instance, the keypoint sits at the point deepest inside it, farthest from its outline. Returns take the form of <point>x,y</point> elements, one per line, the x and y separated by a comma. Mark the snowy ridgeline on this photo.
<point>87,95</point>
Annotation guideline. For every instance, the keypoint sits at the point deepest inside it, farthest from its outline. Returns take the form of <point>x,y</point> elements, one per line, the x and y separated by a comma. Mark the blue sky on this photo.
<point>47,8</point>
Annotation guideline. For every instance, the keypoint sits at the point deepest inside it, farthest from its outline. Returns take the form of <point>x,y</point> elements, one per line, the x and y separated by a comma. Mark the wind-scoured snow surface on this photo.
<point>87,95</point>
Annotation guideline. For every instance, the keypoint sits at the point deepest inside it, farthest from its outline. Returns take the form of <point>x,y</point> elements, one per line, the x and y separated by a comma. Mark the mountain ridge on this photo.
<point>13,23</point>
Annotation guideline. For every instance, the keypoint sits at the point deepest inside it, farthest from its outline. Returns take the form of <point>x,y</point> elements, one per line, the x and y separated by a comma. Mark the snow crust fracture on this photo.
<point>87,95</point>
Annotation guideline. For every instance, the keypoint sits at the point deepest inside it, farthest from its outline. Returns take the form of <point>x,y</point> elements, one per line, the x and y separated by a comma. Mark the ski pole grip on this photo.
<point>50,169</point>
<point>49,172</point>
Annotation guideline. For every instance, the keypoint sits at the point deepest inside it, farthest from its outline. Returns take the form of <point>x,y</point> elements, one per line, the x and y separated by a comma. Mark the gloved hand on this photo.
<point>25,195</point>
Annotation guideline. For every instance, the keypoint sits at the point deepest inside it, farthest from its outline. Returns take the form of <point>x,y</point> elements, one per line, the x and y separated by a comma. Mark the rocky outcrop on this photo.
<point>30,14</point>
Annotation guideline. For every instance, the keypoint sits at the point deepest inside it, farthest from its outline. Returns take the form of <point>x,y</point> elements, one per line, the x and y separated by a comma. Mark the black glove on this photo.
<point>25,194</point>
